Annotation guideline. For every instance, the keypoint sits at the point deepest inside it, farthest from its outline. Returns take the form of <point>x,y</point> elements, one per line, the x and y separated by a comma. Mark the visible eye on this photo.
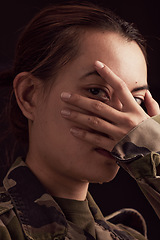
<point>99,93</point>
<point>139,100</point>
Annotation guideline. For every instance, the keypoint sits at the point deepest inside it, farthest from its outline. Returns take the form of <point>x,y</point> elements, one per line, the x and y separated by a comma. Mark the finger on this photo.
<point>91,105</point>
<point>151,105</point>
<point>124,121</point>
<point>93,138</point>
<point>94,123</point>
<point>116,83</point>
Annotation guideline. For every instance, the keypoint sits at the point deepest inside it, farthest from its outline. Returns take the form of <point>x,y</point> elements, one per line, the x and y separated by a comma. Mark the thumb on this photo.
<point>151,105</point>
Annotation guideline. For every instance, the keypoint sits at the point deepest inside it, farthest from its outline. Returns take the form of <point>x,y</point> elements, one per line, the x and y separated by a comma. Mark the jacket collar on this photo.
<point>37,211</point>
<point>39,214</point>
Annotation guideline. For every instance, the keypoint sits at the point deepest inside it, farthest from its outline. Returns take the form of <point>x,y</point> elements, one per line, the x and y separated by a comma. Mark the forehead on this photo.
<point>124,57</point>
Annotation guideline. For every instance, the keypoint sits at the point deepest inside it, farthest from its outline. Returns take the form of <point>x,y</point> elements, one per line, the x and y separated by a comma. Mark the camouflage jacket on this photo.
<point>27,211</point>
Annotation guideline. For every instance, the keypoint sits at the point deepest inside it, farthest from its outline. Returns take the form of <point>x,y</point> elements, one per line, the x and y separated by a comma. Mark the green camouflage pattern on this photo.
<point>27,211</point>
<point>139,141</point>
<point>139,154</point>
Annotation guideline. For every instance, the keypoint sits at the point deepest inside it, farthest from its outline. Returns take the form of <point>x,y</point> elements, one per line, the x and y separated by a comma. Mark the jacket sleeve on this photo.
<point>139,154</point>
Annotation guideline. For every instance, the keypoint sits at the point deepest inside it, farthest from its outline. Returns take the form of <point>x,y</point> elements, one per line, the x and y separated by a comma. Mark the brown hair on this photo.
<point>51,40</point>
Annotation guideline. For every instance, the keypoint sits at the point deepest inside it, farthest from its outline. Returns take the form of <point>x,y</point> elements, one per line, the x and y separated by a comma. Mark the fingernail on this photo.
<point>75,131</point>
<point>99,64</point>
<point>65,95</point>
<point>65,112</point>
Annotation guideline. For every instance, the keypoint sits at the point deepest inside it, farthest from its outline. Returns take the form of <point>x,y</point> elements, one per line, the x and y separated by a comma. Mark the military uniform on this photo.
<point>27,211</point>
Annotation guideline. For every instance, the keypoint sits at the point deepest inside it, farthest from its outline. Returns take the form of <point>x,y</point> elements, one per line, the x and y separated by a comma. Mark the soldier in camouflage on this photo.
<point>29,212</point>
<point>86,126</point>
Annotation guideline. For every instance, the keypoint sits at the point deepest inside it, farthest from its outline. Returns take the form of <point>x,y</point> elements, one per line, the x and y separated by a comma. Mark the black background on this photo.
<point>122,192</point>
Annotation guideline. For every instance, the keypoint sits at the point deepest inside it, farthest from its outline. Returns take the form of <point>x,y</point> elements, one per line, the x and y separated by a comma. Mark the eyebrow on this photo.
<point>89,74</point>
<point>145,87</point>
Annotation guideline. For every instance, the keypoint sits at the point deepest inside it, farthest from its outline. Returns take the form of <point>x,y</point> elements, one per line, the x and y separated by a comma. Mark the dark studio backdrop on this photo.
<point>122,192</point>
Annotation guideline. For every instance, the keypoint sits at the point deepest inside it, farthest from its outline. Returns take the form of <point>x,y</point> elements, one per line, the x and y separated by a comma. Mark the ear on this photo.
<point>26,90</point>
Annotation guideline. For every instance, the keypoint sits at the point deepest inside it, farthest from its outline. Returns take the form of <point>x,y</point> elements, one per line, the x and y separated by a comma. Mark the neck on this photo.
<point>58,185</point>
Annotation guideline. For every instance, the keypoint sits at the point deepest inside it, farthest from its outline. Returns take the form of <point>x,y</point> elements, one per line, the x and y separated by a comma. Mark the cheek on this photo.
<point>49,119</point>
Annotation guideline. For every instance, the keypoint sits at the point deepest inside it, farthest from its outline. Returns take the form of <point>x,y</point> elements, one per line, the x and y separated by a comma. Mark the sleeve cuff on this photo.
<point>142,168</point>
<point>140,141</point>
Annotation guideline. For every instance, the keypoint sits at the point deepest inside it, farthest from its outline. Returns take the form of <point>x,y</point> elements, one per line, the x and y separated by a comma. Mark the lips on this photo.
<point>103,152</point>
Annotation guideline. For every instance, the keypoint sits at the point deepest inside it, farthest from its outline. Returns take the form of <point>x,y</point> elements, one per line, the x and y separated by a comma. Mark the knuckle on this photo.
<point>74,115</point>
<point>97,105</point>
<point>93,121</point>
<point>130,121</point>
<point>155,104</point>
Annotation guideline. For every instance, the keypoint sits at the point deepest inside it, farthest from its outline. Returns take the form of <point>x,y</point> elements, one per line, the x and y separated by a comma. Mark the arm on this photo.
<point>138,153</point>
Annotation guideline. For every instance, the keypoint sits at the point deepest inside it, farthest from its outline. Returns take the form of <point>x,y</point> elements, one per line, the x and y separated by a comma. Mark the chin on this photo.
<point>104,176</point>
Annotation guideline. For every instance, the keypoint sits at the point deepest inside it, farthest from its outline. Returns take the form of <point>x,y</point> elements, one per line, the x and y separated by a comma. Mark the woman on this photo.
<point>80,76</point>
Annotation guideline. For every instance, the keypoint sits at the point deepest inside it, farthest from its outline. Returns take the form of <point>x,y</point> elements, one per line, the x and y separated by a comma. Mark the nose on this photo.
<point>115,103</point>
